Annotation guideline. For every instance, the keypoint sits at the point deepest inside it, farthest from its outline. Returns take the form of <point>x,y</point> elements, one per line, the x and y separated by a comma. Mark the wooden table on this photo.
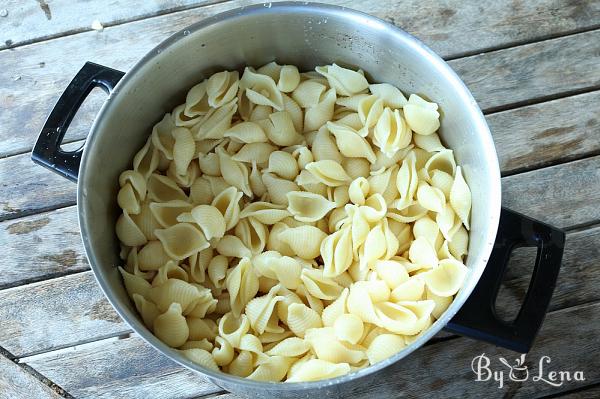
<point>534,68</point>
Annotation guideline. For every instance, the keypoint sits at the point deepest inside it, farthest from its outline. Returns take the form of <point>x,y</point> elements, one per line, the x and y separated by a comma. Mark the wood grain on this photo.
<point>564,195</point>
<point>39,247</point>
<point>32,21</point>
<point>442,369</point>
<point>127,368</point>
<point>534,136</point>
<point>34,76</point>
<point>56,313</point>
<point>590,393</point>
<point>15,382</point>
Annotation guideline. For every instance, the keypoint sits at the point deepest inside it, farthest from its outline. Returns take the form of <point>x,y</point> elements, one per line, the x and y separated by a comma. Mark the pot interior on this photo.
<point>305,36</point>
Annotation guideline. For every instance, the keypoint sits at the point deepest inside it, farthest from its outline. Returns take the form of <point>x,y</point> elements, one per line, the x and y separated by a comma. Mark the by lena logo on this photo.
<point>518,371</point>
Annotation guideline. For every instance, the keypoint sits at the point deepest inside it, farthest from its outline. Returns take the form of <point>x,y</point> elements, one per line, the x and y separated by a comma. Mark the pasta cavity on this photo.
<point>293,226</point>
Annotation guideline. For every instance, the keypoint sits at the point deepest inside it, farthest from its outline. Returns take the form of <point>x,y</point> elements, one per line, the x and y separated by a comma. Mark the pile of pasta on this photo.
<point>287,226</point>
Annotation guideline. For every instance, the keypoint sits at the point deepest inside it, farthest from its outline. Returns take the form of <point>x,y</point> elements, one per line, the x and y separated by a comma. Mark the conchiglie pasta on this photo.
<point>293,226</point>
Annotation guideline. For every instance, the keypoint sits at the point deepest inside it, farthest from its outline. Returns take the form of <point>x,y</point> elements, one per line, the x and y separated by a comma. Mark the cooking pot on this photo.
<point>305,35</point>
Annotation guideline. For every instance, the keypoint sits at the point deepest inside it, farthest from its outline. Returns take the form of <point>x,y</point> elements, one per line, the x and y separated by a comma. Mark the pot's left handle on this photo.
<point>47,151</point>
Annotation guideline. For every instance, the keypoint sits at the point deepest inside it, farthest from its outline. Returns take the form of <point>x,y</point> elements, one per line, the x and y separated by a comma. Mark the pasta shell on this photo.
<point>443,161</point>
<point>348,328</point>
<point>232,328</point>
<point>167,213</point>
<point>428,229</point>
<point>261,89</point>
<point>209,164</point>
<point>360,304</point>
<point>445,221</point>
<point>181,240</point>
<point>278,188</point>
<point>134,284</point>
<point>223,352</point>
<point>441,303</point>
<point>442,181</point>
<point>271,69</point>
<point>327,347</point>
<point>161,136</point>
<point>289,78</point>
<point>265,212</point>
<point>459,244</point>
<point>128,199</point>
<point>295,112</point>
<point>317,369</point>
<point>383,161</point>
<point>235,173</point>
<point>232,246</point>
<point>196,101</point>
<point>146,309</point>
<point>201,329</point>
<point>163,189</point>
<point>152,256</point>
<point>253,234</point>
<point>410,290</point>
<point>421,115</point>
<point>221,88</point>
<point>242,285</point>
<point>301,318</point>
<point>283,164</point>
<point>392,272</point>
<point>407,181</point>
<point>202,344</point>
<point>247,132</point>
<point>324,147</point>
<point>303,156</point>
<point>307,206</point>
<point>356,167</point>
<point>254,152</point>
<point>242,365</point>
<point>175,290</point>
<point>351,102</point>
<point>290,347</point>
<point>313,302</point>
<point>308,93</point>
<point>346,82</point>
<point>319,285</point>
<point>201,357</point>
<point>391,133</point>
<point>217,270</point>
<point>350,119</point>
<point>210,219</point>
<point>273,369</point>
<point>274,243</point>
<point>422,253</point>
<point>227,202</point>
<point>184,149</point>
<point>446,279</point>
<point>145,160</point>
<point>317,115</point>
<point>460,197</point>
<point>128,232</point>
<point>304,241</point>
<point>171,327</point>
<point>335,309</point>
<point>289,298</point>
<point>336,251</point>
<point>215,123</point>
<point>329,173</point>
<point>375,247</point>
<point>369,111</point>
<point>358,190</point>
<point>198,262</point>
<point>251,343</point>
<point>396,318</point>
<point>429,143</point>
<point>280,129</point>
<point>392,97</point>
<point>261,312</point>
<point>384,346</point>
<point>200,191</point>
<point>350,143</point>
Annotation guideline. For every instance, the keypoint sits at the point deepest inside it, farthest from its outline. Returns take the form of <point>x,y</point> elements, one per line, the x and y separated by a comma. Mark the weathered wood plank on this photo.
<point>32,21</point>
<point>75,306</point>
<point>442,369</point>
<point>127,368</point>
<point>56,313</point>
<point>537,135</point>
<point>564,195</point>
<point>40,247</point>
<point>35,75</point>
<point>589,393</point>
<point>16,382</point>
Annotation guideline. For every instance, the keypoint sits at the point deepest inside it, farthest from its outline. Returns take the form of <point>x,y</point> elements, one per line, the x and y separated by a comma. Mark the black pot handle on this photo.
<point>47,151</point>
<point>477,317</point>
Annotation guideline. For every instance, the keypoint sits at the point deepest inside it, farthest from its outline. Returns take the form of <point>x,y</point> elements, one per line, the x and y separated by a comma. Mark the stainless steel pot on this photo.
<point>305,35</point>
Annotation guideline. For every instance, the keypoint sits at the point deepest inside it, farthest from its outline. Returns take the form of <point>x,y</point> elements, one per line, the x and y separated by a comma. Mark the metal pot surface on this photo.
<point>305,35</point>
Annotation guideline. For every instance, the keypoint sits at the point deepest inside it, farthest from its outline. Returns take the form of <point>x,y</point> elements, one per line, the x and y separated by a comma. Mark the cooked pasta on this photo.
<point>287,226</point>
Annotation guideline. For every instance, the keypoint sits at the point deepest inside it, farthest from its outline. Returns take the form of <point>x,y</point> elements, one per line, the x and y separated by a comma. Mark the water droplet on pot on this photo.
<point>186,32</point>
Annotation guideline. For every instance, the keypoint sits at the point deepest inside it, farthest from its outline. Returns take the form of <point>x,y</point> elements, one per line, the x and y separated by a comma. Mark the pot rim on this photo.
<point>320,10</point>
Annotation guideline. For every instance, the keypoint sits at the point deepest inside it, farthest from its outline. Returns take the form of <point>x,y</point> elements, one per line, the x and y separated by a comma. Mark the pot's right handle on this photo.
<point>477,317</point>
<point>47,151</point>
